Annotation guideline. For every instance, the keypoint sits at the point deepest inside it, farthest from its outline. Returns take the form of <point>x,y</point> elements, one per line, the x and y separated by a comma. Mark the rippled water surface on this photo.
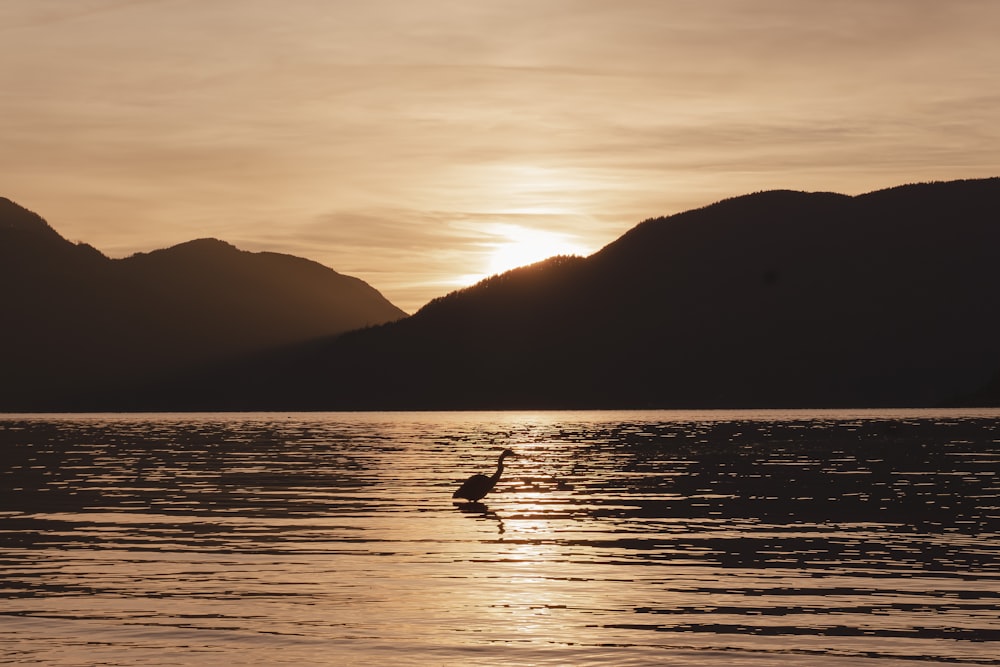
<point>616,538</point>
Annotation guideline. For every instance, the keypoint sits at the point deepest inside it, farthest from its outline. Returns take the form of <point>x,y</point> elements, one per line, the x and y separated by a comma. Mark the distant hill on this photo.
<point>78,325</point>
<point>774,299</point>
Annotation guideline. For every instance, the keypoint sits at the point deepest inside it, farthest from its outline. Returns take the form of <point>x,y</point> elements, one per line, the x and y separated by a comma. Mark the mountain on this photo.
<point>774,299</point>
<point>78,324</point>
<point>987,396</point>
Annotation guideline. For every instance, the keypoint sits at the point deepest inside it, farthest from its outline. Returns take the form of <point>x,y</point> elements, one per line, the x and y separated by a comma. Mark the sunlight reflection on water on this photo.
<point>615,538</point>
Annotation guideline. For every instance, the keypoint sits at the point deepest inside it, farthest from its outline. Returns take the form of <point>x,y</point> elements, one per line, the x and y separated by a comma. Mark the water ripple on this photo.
<point>615,538</point>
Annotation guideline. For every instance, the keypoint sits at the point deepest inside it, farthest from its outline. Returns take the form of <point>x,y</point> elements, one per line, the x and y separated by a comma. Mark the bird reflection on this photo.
<point>482,511</point>
<point>477,486</point>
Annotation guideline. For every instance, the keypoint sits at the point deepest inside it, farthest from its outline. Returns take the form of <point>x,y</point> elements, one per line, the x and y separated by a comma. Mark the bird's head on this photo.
<point>506,453</point>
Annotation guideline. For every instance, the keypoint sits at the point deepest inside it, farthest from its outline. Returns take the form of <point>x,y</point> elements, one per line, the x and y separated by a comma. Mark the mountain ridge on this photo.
<point>81,324</point>
<point>775,299</point>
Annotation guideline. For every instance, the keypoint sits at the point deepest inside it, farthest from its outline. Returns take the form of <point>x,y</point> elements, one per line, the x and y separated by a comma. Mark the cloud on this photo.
<point>46,13</point>
<point>389,138</point>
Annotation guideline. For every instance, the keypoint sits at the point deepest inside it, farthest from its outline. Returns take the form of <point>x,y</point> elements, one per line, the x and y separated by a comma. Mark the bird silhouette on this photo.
<point>478,486</point>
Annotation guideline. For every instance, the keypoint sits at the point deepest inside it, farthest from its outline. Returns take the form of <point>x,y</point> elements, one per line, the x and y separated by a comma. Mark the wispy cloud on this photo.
<point>46,13</point>
<point>387,138</point>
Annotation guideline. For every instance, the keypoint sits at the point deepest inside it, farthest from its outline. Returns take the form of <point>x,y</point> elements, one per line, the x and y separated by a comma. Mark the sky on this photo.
<point>421,145</point>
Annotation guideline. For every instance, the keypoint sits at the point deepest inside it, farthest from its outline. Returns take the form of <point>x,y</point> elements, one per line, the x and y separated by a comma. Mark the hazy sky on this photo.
<point>413,143</point>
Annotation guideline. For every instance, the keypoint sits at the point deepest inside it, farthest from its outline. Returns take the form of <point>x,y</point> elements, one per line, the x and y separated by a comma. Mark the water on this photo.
<point>616,538</point>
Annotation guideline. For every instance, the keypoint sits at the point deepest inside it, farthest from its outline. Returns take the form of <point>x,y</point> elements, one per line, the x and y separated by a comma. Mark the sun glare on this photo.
<point>520,246</point>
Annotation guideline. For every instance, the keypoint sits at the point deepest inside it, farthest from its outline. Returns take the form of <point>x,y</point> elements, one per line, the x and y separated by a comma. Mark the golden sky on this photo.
<point>421,144</point>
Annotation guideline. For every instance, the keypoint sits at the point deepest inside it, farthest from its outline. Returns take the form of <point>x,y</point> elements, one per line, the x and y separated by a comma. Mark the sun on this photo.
<point>520,246</point>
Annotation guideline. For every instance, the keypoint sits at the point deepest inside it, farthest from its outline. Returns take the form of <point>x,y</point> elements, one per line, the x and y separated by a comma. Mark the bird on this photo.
<point>478,486</point>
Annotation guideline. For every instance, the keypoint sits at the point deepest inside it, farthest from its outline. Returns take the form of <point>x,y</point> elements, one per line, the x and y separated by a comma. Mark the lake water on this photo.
<point>616,538</point>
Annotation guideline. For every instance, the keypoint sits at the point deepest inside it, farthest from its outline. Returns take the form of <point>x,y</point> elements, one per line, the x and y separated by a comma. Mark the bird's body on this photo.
<point>477,486</point>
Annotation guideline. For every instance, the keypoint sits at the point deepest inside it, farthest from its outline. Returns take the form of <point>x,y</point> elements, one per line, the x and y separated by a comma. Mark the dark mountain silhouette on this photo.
<point>985,396</point>
<point>775,299</point>
<point>78,325</point>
